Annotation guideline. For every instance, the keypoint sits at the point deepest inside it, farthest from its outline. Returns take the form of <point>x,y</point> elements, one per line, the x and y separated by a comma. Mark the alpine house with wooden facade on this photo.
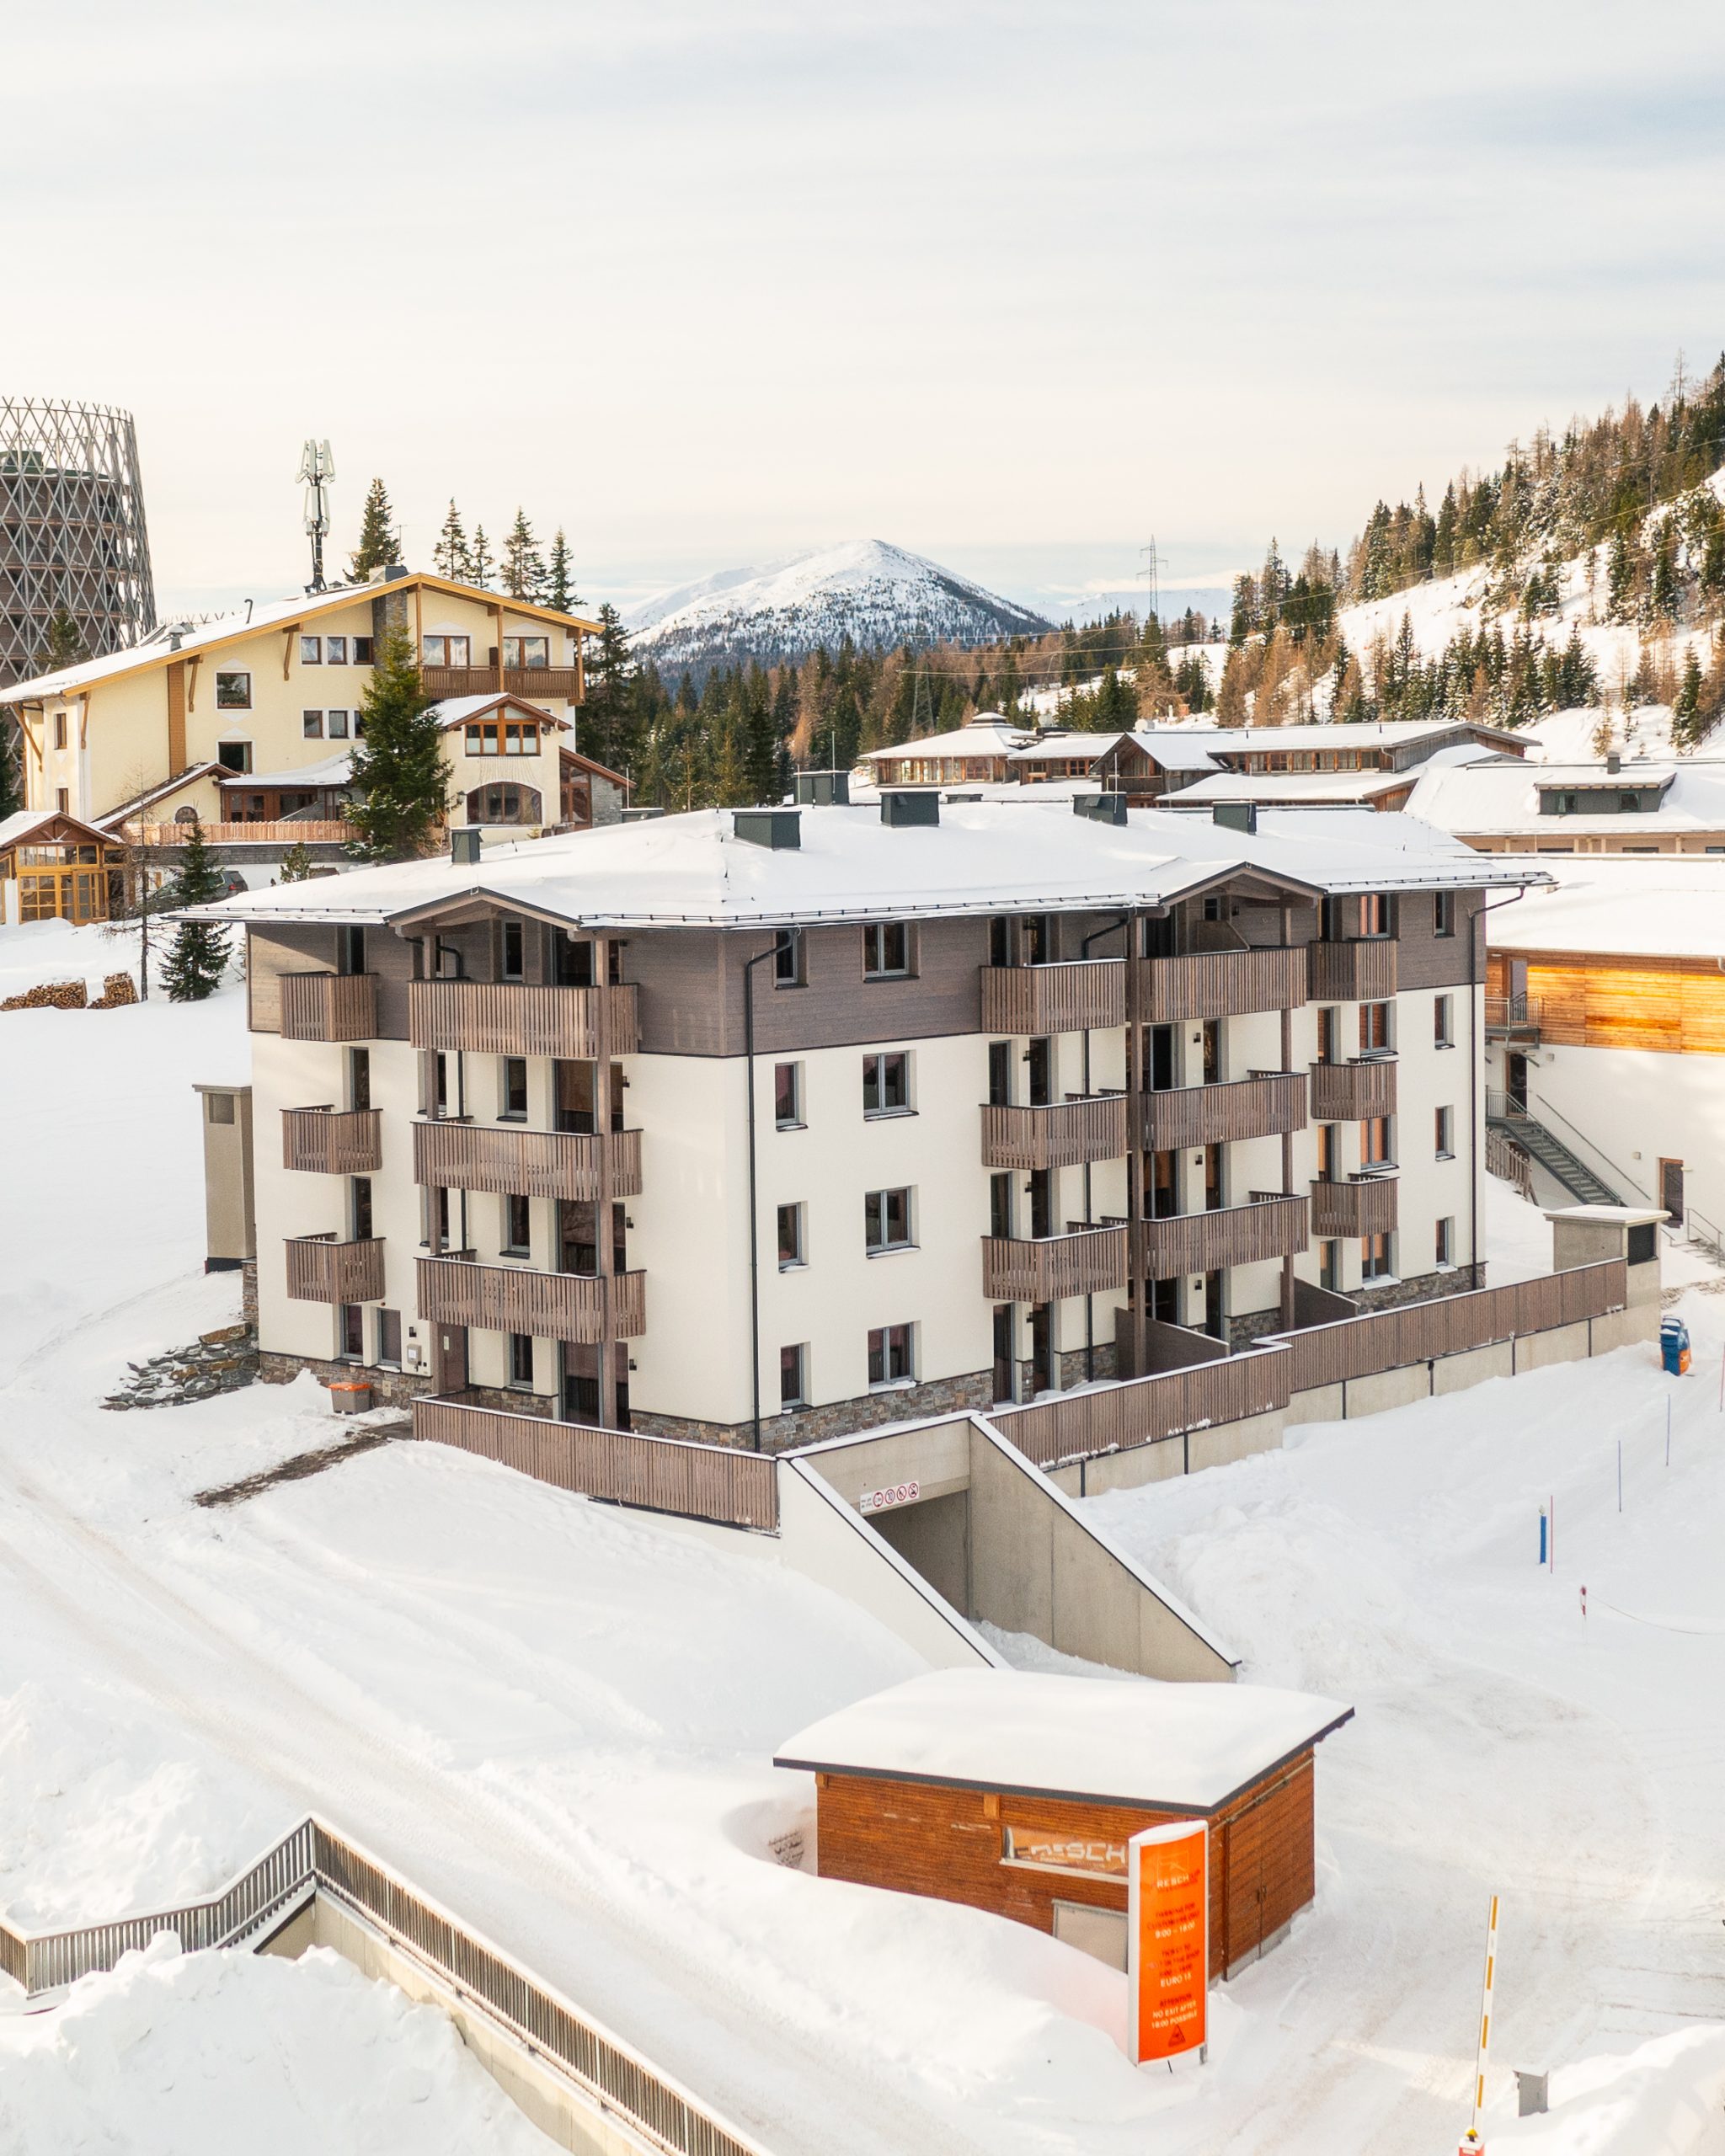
<point>764,1125</point>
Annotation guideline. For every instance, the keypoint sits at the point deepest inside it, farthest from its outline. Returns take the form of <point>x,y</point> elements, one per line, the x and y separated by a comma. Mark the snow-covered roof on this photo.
<point>987,734</point>
<point>1503,799</point>
<point>1669,905</point>
<point>18,827</point>
<point>1175,749</point>
<point>983,857</point>
<point>1293,786</point>
<point>456,711</point>
<point>1057,747</point>
<point>330,771</point>
<point>1189,1746</point>
<point>1383,732</point>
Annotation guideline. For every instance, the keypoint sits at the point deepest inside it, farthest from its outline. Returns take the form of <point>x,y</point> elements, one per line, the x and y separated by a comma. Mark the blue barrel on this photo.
<point>1673,1346</point>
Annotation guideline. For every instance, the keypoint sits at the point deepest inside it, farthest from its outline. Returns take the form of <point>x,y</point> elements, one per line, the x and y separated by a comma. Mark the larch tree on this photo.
<point>380,542</point>
<point>481,568</point>
<point>449,556</point>
<point>560,592</point>
<point>197,959</point>
<point>523,566</point>
<point>400,779</point>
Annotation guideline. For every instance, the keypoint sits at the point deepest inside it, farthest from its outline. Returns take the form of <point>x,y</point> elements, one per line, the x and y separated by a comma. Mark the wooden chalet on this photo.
<point>54,868</point>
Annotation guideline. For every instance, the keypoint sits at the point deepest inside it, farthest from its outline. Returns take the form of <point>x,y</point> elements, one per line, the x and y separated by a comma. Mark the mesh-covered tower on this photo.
<point>71,531</point>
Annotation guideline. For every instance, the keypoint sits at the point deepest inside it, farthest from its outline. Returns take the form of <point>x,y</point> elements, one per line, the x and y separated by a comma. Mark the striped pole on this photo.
<point>1485,2025</point>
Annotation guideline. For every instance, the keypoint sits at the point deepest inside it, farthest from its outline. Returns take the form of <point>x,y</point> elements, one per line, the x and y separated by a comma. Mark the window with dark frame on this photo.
<point>790,1238</point>
<point>788,959</point>
<point>335,651</point>
<point>788,1095</point>
<point>389,1339</point>
<point>512,953</point>
<point>794,1375</point>
<point>1444,1134</point>
<point>1443,1022</point>
<point>362,651</point>
<point>513,1097</point>
<point>892,1354</point>
<point>886,950</point>
<point>359,1209</point>
<point>1374,1142</point>
<point>1443,913</point>
<point>1374,1257</point>
<point>353,1332</point>
<point>233,691</point>
<point>521,1359</point>
<point>886,1084</point>
<point>886,1219</point>
<point>335,725</point>
<point>1374,1027</point>
<point>311,651</point>
<point>1446,1241</point>
<point>312,725</point>
<point>517,1225</point>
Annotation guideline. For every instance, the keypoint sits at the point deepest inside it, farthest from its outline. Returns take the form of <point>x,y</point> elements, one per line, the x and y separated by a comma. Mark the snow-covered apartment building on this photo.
<point>247,723</point>
<point>805,1120</point>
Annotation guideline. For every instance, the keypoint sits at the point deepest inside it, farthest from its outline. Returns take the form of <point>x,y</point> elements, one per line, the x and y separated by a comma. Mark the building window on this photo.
<point>389,1338</point>
<point>233,691</point>
<point>788,1095</point>
<point>1374,1142</point>
<point>1443,913</point>
<point>1327,1159</point>
<point>60,730</point>
<point>790,1237</point>
<point>1443,1022</point>
<point>1374,914</point>
<point>788,959</point>
<point>1374,1028</point>
<point>311,651</point>
<point>507,737</point>
<point>335,651</point>
<point>512,956</point>
<point>521,1360</point>
<point>362,651</point>
<point>446,651</point>
<point>886,950</point>
<point>234,756</point>
<point>504,804</point>
<point>351,1321</point>
<point>1444,1133</point>
<point>1329,1272</point>
<point>1446,1242</point>
<point>359,1209</point>
<point>526,651</point>
<point>886,1084</point>
<point>350,948</point>
<point>62,800</point>
<point>513,1100</point>
<point>1329,1033</point>
<point>793,1376</point>
<point>312,725</point>
<point>886,1221</point>
<point>358,1078</point>
<point>1374,1257</point>
<point>517,1226</point>
<point>336,725</point>
<point>892,1354</point>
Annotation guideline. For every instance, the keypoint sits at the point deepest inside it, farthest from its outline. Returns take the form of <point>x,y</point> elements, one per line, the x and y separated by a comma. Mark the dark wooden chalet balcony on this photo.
<point>1061,999</point>
<point>455,1156</point>
<point>522,1018</point>
<point>328,1007</point>
<point>1061,1135</point>
<point>547,1306</point>
<point>1222,984</point>
<point>1353,1091</point>
<point>1046,1268</point>
<point>1363,1205</point>
<point>1262,1106</point>
<point>323,1269</point>
<point>332,1141</point>
<point>532,683</point>
<point>1268,1226</point>
<point>1360,971</point>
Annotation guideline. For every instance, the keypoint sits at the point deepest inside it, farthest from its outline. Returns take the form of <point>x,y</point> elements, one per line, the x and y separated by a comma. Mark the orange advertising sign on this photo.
<point>1167,1940</point>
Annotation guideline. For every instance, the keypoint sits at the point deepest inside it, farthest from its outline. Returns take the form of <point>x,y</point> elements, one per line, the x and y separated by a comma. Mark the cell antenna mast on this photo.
<point>317,470</point>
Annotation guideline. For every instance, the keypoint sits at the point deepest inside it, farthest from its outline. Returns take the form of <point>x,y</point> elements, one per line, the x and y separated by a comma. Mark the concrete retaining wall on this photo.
<point>1563,1343</point>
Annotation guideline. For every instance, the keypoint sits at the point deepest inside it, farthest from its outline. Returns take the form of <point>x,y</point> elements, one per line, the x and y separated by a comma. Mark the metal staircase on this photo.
<point>1511,1118</point>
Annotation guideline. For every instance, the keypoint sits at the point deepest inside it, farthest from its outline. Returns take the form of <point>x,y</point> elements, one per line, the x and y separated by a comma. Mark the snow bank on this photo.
<point>205,2054</point>
<point>1666,2098</point>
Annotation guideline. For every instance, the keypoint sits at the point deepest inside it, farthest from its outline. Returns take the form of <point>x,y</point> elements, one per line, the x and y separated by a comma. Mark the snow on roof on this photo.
<point>18,826</point>
<point>1293,786</point>
<point>1054,748</point>
<point>1192,1747</point>
<point>330,771</point>
<point>1174,751</point>
<point>1503,799</point>
<point>983,857</point>
<point>1669,905</point>
<point>987,734</point>
<point>1389,733</point>
<point>456,711</point>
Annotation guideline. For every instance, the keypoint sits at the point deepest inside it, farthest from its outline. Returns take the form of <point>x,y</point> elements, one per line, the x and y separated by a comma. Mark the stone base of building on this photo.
<point>389,1387</point>
<point>1453,1280</point>
<point>248,1292</point>
<point>783,1432</point>
<point>1072,1366</point>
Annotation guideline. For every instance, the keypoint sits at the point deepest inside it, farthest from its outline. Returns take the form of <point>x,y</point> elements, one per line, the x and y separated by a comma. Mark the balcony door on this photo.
<point>449,1358</point>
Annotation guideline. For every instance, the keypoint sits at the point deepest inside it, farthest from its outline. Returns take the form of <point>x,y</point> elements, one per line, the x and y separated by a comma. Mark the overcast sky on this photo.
<point>1015,286</point>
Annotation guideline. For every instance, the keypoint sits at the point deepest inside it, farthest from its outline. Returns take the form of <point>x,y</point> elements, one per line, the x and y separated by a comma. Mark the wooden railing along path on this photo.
<point>314,1859</point>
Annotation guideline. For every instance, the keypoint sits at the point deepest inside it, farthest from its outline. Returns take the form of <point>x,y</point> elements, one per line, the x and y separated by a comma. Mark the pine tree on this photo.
<point>11,792</point>
<point>400,779</point>
<point>66,644</point>
<point>296,865</point>
<point>380,542</point>
<point>198,958</point>
<point>449,556</point>
<point>480,566</point>
<point>1686,726</point>
<point>606,721</point>
<point>1620,579</point>
<point>523,568</point>
<point>759,743</point>
<point>560,593</point>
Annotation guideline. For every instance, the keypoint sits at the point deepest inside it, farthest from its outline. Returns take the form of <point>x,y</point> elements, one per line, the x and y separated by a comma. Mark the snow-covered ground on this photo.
<point>559,1719</point>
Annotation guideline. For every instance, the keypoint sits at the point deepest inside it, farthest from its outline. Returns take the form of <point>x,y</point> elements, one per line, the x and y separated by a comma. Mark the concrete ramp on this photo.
<point>992,1541</point>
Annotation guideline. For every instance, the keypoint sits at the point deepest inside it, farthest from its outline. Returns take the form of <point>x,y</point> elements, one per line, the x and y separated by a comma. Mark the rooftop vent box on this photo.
<point>465,844</point>
<point>824,789</point>
<point>780,830</point>
<point>901,810</point>
<point>395,572</point>
<point>1235,815</point>
<point>644,815</point>
<point>1101,807</point>
<point>1614,763</point>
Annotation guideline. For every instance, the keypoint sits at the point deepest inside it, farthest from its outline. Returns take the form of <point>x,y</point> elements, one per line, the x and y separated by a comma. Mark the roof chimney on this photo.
<point>903,809</point>
<point>1614,764</point>
<point>1236,815</point>
<point>466,843</point>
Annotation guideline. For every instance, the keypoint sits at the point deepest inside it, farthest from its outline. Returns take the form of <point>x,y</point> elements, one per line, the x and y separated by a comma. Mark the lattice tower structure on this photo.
<point>71,531</point>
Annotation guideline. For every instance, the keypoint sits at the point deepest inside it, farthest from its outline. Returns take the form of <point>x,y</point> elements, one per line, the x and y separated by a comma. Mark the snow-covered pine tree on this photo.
<point>522,570</point>
<point>1686,723</point>
<point>449,556</point>
<point>400,779</point>
<point>560,592</point>
<point>198,957</point>
<point>1620,579</point>
<point>380,542</point>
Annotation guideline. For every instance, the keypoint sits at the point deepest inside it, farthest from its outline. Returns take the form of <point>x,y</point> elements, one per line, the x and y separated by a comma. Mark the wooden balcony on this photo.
<point>1262,1106</point>
<point>1353,1091</point>
<point>332,1141</point>
<point>1061,1135</point>
<point>1362,971</point>
<point>547,1306</point>
<point>532,683</point>
<point>453,1156</point>
<point>519,1018</point>
<point>1047,1269</point>
<point>320,1269</point>
<point>1221,984</point>
<point>1363,1205</point>
<point>1268,1227</point>
<point>328,1007</point>
<point>1064,999</point>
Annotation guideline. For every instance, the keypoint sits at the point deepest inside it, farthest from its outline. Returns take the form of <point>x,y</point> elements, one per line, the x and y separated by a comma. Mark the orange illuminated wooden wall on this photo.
<point>1673,1007</point>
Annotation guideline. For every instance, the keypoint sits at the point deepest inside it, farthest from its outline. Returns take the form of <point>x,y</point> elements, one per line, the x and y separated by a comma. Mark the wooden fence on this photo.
<point>661,1475</point>
<point>315,1860</point>
<point>1145,1410</point>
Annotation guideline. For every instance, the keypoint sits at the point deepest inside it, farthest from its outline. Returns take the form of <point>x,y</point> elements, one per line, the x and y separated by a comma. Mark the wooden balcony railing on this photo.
<point>1061,1135</point>
<point>1353,1091</point>
<point>332,1141</point>
<point>328,1007</point>
<point>532,683</point>
<point>1221,984</point>
<point>1363,1205</point>
<point>1262,1106</point>
<point>547,1306</point>
<point>451,1155</point>
<point>1362,971</point>
<point>1268,1227</point>
<point>320,1269</point>
<point>1065,999</point>
<point>519,1018</point>
<point>1052,1267</point>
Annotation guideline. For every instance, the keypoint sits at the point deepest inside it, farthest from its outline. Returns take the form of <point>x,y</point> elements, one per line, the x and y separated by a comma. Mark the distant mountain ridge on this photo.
<point>879,595</point>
